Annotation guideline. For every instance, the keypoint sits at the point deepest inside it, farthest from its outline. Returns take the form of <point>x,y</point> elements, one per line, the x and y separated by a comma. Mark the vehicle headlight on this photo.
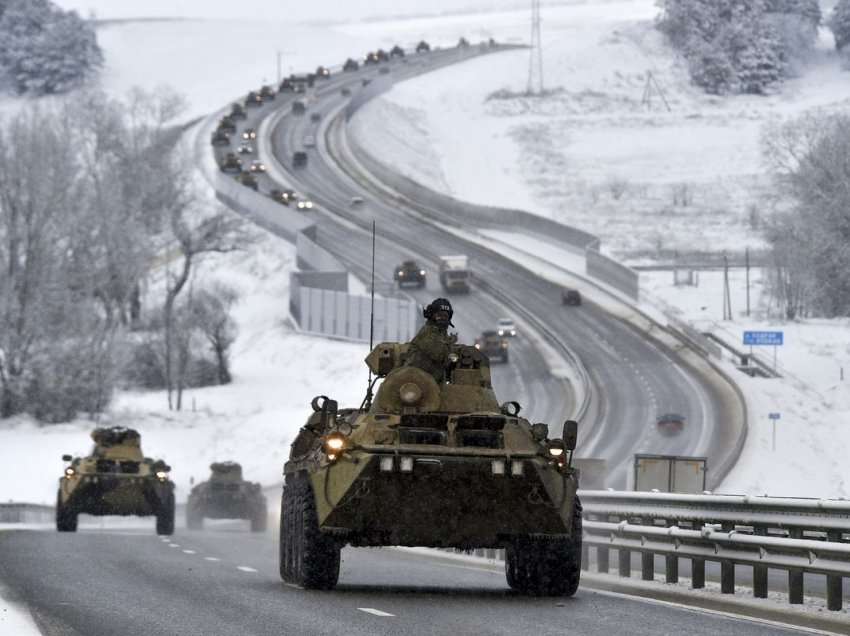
<point>335,444</point>
<point>401,273</point>
<point>421,272</point>
<point>556,450</point>
<point>477,346</point>
<point>501,332</point>
<point>161,475</point>
<point>69,472</point>
<point>410,393</point>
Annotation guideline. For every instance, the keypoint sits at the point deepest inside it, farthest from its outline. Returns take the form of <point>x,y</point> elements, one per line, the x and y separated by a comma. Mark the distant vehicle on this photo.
<point>226,496</point>
<point>254,99</point>
<point>463,43</point>
<point>284,197</point>
<point>384,70</point>
<point>506,328</point>
<point>345,91</point>
<point>231,164</point>
<point>410,273</point>
<point>286,86</point>
<point>257,166</point>
<point>115,479</point>
<point>571,297</point>
<point>371,59</point>
<point>382,55</point>
<point>323,72</point>
<point>248,180</point>
<point>396,51</point>
<point>492,345</point>
<point>245,148</point>
<point>315,117</point>
<point>299,159</point>
<point>350,65</point>
<point>220,138</point>
<point>299,88</point>
<point>423,47</point>
<point>298,107</point>
<point>309,141</point>
<point>237,111</point>
<point>670,423</point>
<point>227,124</point>
<point>302,82</point>
<point>304,204</point>
<point>365,81</point>
<point>454,273</point>
<point>356,202</point>
<point>267,93</point>
<point>249,133</point>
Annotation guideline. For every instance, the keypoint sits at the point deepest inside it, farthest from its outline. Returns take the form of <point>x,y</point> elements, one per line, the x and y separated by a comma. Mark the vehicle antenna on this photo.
<point>368,401</point>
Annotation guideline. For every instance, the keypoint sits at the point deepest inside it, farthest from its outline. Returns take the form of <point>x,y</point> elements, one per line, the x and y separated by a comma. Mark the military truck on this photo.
<point>454,273</point>
<point>494,346</point>
<point>237,111</point>
<point>227,124</point>
<point>226,495</point>
<point>410,273</point>
<point>423,47</point>
<point>254,99</point>
<point>436,465</point>
<point>248,180</point>
<point>231,164</point>
<point>267,93</point>
<point>396,51</point>
<point>323,72</point>
<point>350,65</point>
<point>115,479</point>
<point>220,138</point>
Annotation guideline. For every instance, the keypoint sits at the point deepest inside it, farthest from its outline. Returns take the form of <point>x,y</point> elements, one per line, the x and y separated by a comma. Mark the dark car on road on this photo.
<point>220,138</point>
<point>410,273</point>
<point>299,159</point>
<point>248,180</point>
<point>231,164</point>
<point>570,296</point>
<point>285,197</point>
<point>492,345</point>
<point>298,107</point>
<point>670,423</point>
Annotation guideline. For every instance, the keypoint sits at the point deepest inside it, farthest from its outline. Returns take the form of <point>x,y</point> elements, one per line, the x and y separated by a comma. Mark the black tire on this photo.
<point>307,557</point>
<point>259,518</point>
<point>66,517</point>
<point>539,567</point>
<point>165,516</point>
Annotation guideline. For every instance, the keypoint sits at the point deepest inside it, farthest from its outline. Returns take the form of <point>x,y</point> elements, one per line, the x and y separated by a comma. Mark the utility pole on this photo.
<point>535,60</point>
<point>727,298</point>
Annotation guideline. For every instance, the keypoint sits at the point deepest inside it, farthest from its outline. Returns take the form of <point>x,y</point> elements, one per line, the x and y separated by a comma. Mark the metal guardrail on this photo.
<point>26,513</point>
<point>800,536</point>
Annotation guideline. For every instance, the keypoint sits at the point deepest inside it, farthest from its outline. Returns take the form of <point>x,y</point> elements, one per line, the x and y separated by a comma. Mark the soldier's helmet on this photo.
<point>438,305</point>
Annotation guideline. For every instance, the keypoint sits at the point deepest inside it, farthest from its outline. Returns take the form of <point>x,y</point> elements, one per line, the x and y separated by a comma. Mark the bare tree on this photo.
<point>211,315</point>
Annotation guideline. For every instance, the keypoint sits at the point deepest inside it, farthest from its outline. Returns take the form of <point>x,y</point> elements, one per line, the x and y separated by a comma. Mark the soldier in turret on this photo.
<point>429,350</point>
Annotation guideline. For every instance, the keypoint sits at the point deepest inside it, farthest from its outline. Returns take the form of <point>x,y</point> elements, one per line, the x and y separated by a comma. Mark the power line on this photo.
<point>535,60</point>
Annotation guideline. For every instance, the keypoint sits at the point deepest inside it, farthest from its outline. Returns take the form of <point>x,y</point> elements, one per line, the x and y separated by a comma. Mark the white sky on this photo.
<point>289,11</point>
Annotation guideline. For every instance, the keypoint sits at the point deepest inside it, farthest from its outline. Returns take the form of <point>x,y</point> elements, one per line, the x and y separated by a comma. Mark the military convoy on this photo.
<point>226,495</point>
<point>410,273</point>
<point>491,344</point>
<point>436,465</point>
<point>115,479</point>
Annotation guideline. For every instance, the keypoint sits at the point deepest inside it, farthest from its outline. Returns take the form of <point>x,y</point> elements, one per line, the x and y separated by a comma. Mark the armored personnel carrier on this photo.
<point>226,495</point>
<point>116,479</point>
<point>436,465</point>
<point>410,273</point>
<point>231,164</point>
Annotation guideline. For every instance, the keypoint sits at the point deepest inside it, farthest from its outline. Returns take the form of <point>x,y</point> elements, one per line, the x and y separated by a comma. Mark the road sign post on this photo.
<point>773,417</point>
<point>765,338</point>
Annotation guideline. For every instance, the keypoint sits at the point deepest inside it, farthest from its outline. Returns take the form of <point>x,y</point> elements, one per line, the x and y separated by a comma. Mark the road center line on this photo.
<point>245,568</point>
<point>188,552</point>
<point>211,559</point>
<point>375,612</point>
<point>173,545</point>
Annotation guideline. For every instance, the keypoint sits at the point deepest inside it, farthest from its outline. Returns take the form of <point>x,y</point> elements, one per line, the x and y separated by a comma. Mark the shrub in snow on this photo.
<point>839,23</point>
<point>45,50</point>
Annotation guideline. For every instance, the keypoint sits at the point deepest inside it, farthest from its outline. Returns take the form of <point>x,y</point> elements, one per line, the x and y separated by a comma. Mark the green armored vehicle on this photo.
<point>431,464</point>
<point>226,496</point>
<point>116,479</point>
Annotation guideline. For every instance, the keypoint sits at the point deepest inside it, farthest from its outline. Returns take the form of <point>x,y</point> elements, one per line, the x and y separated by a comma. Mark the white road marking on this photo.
<point>245,568</point>
<point>173,545</point>
<point>375,612</point>
<point>188,552</point>
<point>211,559</point>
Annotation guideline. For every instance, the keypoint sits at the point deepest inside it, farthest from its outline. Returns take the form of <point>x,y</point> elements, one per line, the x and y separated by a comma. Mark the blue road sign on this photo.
<point>773,416</point>
<point>763,338</point>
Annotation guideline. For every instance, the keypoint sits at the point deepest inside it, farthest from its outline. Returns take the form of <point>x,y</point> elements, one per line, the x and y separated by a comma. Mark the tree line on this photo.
<point>96,202</point>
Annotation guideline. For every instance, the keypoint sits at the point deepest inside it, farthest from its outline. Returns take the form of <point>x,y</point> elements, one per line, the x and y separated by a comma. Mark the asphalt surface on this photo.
<point>224,581</point>
<point>633,379</point>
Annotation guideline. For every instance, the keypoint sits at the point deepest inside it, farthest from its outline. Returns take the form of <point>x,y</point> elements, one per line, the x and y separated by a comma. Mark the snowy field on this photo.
<point>561,156</point>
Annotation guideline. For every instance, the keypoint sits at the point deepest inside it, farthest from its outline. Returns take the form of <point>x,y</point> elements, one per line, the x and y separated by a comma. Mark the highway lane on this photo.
<point>223,582</point>
<point>635,378</point>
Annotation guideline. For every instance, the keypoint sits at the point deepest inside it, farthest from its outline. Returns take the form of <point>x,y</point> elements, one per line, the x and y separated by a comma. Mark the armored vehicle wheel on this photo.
<point>546,568</point>
<point>165,516</point>
<point>194,518</point>
<point>259,518</point>
<point>66,519</point>
<point>308,557</point>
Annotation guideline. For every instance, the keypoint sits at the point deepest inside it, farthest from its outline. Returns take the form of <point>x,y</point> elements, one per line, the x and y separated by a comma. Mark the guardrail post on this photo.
<point>834,584</point>
<point>672,568</point>
<point>727,568</point>
<point>624,558</point>
<point>697,574</point>
<point>602,560</point>
<point>760,571</point>
<point>795,577</point>
<point>585,556</point>
<point>647,559</point>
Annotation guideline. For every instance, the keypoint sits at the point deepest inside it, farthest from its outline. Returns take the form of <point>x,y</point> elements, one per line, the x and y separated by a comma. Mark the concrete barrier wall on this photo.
<point>343,315</point>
